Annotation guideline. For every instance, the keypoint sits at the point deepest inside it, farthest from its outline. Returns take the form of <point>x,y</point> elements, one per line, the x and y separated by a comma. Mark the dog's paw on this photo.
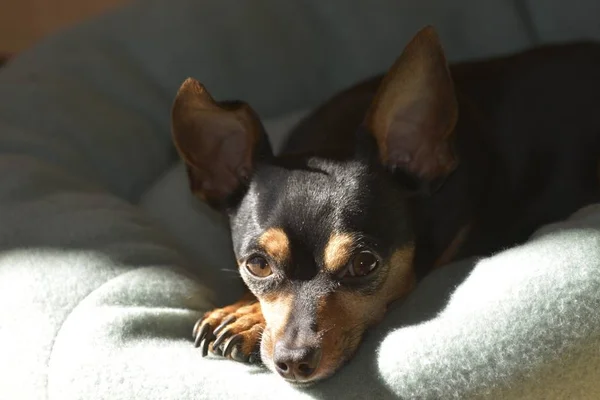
<point>232,332</point>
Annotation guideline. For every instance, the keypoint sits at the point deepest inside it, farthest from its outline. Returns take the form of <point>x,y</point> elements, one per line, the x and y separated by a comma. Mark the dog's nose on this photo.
<point>296,363</point>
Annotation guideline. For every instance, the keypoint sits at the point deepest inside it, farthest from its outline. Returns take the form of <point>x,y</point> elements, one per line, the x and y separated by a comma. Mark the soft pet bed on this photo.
<point>106,261</point>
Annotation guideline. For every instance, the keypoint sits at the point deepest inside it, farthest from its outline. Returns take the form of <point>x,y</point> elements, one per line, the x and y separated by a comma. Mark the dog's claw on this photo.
<point>234,340</point>
<point>205,344</point>
<point>220,339</point>
<point>204,330</point>
<point>196,327</point>
<point>197,341</point>
<point>201,333</point>
<point>238,355</point>
<point>254,358</point>
<point>223,324</point>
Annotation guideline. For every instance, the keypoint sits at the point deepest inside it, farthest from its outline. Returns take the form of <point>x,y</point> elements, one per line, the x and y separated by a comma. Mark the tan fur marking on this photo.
<point>344,316</point>
<point>401,279</point>
<point>453,247</point>
<point>276,243</point>
<point>337,252</point>
<point>276,309</point>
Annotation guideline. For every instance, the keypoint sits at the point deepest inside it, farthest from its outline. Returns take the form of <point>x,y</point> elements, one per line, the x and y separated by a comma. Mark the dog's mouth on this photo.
<point>303,385</point>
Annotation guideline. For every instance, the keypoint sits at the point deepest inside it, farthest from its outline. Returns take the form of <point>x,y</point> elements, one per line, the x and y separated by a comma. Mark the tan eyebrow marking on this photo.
<point>338,251</point>
<point>276,244</point>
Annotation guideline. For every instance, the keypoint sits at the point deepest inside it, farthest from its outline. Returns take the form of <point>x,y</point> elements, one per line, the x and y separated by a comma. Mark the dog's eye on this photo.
<point>258,266</point>
<point>362,264</point>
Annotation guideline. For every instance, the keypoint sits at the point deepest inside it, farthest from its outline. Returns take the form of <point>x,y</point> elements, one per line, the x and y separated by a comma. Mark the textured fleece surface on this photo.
<point>100,283</point>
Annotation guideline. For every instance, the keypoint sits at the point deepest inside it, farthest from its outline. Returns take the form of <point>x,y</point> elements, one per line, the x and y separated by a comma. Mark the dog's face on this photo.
<point>324,245</point>
<point>325,254</point>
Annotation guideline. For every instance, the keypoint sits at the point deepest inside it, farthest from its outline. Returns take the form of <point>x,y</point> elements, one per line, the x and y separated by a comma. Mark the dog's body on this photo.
<point>386,181</point>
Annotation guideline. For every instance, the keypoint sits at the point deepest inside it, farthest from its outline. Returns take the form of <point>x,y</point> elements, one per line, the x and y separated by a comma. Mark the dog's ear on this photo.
<point>415,110</point>
<point>219,142</point>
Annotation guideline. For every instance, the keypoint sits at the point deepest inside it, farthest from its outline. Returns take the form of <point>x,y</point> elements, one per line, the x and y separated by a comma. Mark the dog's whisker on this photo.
<point>232,271</point>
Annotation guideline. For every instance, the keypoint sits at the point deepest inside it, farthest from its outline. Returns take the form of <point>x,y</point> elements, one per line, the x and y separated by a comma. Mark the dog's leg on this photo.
<point>233,331</point>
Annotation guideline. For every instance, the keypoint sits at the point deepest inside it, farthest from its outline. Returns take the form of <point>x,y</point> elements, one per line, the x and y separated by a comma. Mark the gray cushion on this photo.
<point>99,294</point>
<point>559,21</point>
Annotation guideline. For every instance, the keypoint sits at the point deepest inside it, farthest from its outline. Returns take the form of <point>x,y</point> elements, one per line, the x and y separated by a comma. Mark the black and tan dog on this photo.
<point>388,180</point>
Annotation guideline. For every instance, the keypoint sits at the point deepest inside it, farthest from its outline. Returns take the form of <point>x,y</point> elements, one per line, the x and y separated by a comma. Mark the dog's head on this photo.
<point>324,245</point>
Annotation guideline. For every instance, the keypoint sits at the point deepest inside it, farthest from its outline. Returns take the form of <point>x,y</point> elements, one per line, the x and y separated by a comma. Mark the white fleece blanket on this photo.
<point>102,278</point>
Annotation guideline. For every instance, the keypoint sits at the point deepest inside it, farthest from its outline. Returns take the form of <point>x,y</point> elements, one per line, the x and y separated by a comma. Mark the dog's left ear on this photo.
<point>415,110</point>
<point>219,142</point>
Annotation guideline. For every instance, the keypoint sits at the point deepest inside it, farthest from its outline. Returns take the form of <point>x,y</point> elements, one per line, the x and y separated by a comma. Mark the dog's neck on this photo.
<point>444,220</point>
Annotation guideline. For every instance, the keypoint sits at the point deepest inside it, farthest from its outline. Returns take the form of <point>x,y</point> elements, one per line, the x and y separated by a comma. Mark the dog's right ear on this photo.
<point>219,142</point>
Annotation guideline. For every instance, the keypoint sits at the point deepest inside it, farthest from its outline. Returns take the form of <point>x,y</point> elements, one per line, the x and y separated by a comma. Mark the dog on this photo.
<point>388,180</point>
